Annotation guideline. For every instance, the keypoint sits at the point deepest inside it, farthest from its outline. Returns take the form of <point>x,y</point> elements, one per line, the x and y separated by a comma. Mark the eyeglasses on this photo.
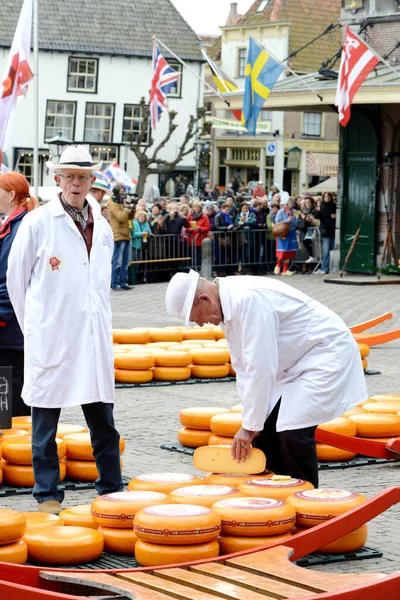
<point>80,178</point>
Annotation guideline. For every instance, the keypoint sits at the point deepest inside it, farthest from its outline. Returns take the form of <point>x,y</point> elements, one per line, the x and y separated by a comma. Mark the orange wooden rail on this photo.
<point>371,323</point>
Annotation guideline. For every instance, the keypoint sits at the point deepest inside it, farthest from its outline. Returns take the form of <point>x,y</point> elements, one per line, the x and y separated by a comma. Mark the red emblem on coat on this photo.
<point>54,263</point>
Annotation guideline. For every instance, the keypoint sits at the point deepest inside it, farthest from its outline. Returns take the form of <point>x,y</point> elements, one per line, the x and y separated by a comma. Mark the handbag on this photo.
<point>281,230</point>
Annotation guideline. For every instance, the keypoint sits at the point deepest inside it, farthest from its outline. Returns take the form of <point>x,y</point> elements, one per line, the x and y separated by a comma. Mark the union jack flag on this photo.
<point>162,80</point>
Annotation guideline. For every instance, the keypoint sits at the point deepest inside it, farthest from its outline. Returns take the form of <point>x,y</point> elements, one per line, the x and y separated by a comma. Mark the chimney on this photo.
<point>233,14</point>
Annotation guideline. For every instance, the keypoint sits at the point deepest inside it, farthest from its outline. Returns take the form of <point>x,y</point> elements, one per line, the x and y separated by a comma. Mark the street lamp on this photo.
<point>201,146</point>
<point>57,144</point>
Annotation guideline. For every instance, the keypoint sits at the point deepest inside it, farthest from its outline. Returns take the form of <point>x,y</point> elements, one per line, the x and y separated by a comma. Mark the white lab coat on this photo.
<point>63,308</point>
<point>285,344</point>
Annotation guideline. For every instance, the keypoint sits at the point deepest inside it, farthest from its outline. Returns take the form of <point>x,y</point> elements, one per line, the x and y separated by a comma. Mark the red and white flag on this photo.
<point>358,60</point>
<point>18,72</point>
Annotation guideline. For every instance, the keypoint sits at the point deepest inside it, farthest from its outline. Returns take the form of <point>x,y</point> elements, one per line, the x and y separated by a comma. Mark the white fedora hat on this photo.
<point>74,157</point>
<point>180,295</point>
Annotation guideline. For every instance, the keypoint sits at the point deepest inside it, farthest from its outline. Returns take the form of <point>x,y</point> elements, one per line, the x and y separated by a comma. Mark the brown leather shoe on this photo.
<point>53,507</point>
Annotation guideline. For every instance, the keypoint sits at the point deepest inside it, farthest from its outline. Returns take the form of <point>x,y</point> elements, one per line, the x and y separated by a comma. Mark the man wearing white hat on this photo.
<point>297,364</point>
<point>58,278</point>
<point>98,190</point>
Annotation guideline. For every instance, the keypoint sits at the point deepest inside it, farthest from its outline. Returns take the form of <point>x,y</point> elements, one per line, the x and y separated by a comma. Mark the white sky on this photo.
<point>205,16</point>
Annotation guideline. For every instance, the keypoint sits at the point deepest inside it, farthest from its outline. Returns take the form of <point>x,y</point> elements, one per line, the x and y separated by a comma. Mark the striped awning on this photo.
<point>322,164</point>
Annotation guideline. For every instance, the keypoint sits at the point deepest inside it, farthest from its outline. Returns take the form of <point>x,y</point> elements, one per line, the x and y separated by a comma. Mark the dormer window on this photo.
<point>263,6</point>
<point>353,5</point>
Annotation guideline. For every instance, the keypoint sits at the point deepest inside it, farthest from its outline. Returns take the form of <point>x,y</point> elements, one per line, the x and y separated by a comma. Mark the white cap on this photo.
<point>180,295</point>
<point>284,198</point>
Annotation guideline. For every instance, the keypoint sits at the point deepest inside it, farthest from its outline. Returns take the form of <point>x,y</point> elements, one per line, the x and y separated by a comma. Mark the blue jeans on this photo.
<point>120,263</point>
<point>105,442</point>
<point>328,244</point>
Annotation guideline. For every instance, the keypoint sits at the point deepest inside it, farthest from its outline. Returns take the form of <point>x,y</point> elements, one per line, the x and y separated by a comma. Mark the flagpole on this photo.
<point>35,98</point>
<point>222,82</point>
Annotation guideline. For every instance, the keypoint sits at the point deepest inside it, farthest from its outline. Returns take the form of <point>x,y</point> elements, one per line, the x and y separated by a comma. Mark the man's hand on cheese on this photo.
<point>241,445</point>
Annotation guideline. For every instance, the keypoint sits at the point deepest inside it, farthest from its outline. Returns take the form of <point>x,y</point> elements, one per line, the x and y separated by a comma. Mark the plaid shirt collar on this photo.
<point>81,216</point>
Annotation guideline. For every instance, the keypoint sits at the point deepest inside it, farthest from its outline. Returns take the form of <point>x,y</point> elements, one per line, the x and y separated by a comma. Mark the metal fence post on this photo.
<point>207,258</point>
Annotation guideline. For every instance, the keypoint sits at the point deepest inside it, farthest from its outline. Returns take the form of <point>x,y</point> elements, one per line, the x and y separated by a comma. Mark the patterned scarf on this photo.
<point>80,215</point>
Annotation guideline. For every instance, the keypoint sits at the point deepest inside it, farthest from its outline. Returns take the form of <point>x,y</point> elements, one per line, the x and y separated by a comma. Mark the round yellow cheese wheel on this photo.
<point>327,453</point>
<point>24,423</point>
<point>152,555</point>
<point>376,425</point>
<point>199,333</point>
<point>219,440</point>
<point>180,348</point>
<point>147,349</point>
<point>203,495</point>
<point>38,519</point>
<point>162,482</point>
<point>165,335</point>
<point>131,336</point>
<point>161,345</point>
<point>78,516</point>
<point>364,350</point>
<point>227,424</point>
<point>364,363</point>
<point>172,359</point>
<point>16,553</point>
<point>177,524</point>
<point>118,541</point>
<point>348,543</point>
<point>18,450</point>
<point>228,544</point>
<point>385,398</point>
<point>118,509</point>
<point>219,333</point>
<point>134,360</point>
<point>193,343</point>
<point>63,545</point>
<point>81,470</point>
<point>193,438</point>
<point>79,446</point>
<point>273,488</point>
<point>316,506</point>
<point>210,356</point>
<point>233,480</point>
<point>22,475</point>
<point>255,516</point>
<point>209,371</point>
<point>12,525</point>
<point>171,373</point>
<point>357,410</point>
<point>8,434</point>
<point>133,375</point>
<point>67,429</point>
<point>340,425</point>
<point>199,417</point>
<point>382,407</point>
<point>237,408</point>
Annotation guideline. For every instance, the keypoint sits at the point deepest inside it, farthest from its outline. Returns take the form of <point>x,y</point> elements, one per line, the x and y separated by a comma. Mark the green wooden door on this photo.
<point>359,176</point>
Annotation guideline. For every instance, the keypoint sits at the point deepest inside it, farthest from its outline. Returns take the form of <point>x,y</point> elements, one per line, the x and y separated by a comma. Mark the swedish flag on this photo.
<point>262,72</point>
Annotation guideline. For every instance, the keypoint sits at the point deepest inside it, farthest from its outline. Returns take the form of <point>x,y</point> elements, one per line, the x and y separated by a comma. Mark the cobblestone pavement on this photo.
<point>149,416</point>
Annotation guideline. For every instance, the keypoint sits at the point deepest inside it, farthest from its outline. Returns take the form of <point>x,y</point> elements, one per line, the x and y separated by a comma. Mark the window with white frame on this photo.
<point>60,117</point>
<point>104,153</point>
<point>242,60</point>
<point>312,124</point>
<point>176,88</point>
<point>82,74</point>
<point>99,122</point>
<point>132,123</point>
<point>25,166</point>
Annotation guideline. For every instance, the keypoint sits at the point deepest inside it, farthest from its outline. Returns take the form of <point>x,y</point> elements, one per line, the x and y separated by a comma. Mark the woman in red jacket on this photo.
<point>198,230</point>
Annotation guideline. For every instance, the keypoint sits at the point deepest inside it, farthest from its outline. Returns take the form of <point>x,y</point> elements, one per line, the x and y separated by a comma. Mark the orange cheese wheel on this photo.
<point>209,371</point>
<point>273,488</point>
<point>348,543</point>
<point>131,336</point>
<point>22,475</point>
<point>7,434</point>
<point>316,506</point>
<point>327,453</point>
<point>38,519</point>
<point>148,349</point>
<point>12,525</point>
<point>171,373</point>
<point>179,348</point>
<point>193,343</point>
<point>218,459</point>
<point>382,407</point>
<point>228,544</point>
<point>364,363</point>
<point>255,516</point>
<point>162,482</point>
<point>210,356</point>
<point>152,555</point>
<point>161,345</point>
<point>376,425</point>
<point>63,545</point>
<point>16,553</point>
<point>133,375</point>
<point>18,450</point>
<point>24,423</point>
<point>79,446</point>
<point>364,350</point>
<point>203,495</point>
<point>118,509</point>
<point>193,438</point>
<point>219,440</point>
<point>165,335</point>
<point>226,424</point>
<point>134,360</point>
<point>233,480</point>
<point>237,408</point>
<point>78,516</point>
<point>67,429</point>
<point>172,359</point>
<point>81,470</point>
<point>340,425</point>
<point>219,333</point>
<point>386,398</point>
<point>177,524</point>
<point>199,417</point>
<point>118,541</point>
<point>357,410</point>
<point>199,333</point>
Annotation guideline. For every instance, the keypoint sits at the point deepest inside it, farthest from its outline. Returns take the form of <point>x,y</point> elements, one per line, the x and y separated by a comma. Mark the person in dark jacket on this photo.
<point>173,224</point>
<point>15,202</point>
<point>327,217</point>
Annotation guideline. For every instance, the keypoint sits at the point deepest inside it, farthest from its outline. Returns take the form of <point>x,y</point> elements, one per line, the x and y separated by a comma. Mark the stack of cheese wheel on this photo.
<point>78,516</point>
<point>203,495</point>
<point>196,425</point>
<point>313,507</point>
<point>378,421</point>
<point>162,482</point>
<point>224,427</point>
<point>17,460</point>
<point>343,426</point>
<point>247,522</point>
<point>277,487</point>
<point>24,423</point>
<point>364,353</point>
<point>172,365</point>
<point>59,545</point>
<point>210,363</point>
<point>6,434</point>
<point>386,404</point>
<point>134,367</point>
<point>12,528</point>
<point>114,513</point>
<point>80,463</point>
<point>175,533</point>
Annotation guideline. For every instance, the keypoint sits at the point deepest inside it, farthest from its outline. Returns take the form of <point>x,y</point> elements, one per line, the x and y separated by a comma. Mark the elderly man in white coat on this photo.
<point>296,362</point>
<point>58,278</point>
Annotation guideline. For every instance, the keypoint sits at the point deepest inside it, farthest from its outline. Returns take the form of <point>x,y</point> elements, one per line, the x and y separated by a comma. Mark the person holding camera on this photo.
<point>122,210</point>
